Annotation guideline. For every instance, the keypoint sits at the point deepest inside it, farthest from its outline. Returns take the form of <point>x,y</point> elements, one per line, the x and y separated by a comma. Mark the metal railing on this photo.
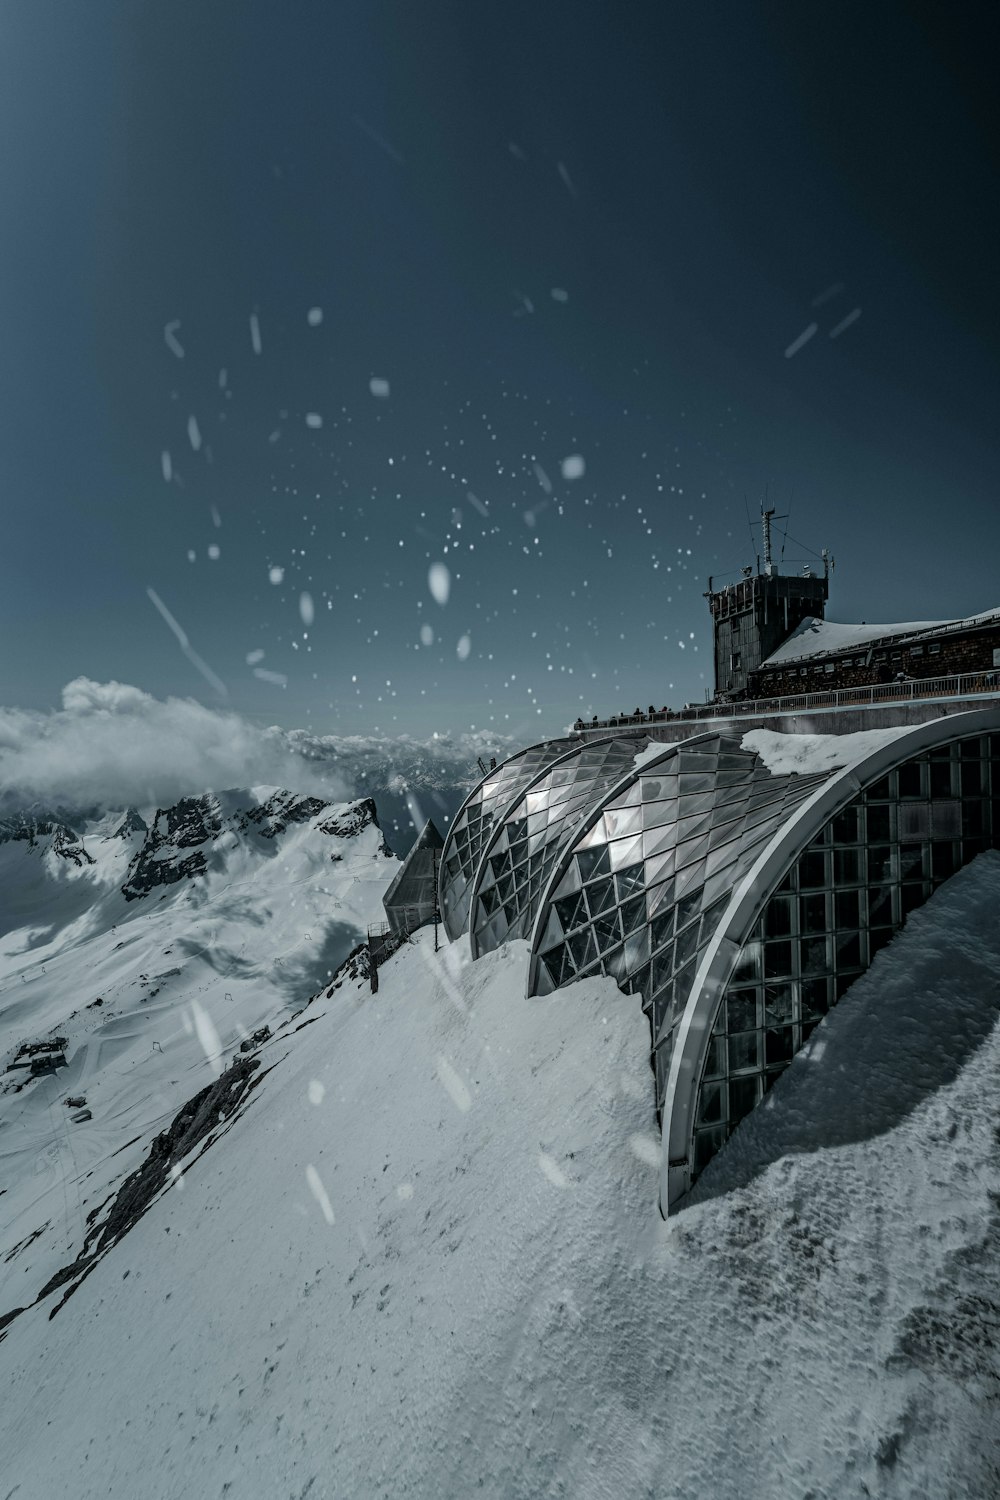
<point>966,685</point>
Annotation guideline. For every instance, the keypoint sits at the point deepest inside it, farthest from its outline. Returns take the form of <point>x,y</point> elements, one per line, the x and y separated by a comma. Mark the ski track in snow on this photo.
<point>496,1307</point>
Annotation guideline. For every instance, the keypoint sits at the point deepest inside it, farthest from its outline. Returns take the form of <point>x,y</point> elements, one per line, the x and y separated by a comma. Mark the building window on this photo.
<point>829,667</point>
<point>934,649</point>
<point>916,650</point>
<point>736,661</point>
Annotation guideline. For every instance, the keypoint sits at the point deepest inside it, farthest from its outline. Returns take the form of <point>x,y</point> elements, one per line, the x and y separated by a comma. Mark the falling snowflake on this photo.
<point>439,582</point>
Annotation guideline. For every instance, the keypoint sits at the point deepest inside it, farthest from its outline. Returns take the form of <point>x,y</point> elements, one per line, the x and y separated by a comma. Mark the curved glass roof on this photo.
<point>637,894</point>
<point>474,822</point>
<point>738,902</point>
<point>526,840</point>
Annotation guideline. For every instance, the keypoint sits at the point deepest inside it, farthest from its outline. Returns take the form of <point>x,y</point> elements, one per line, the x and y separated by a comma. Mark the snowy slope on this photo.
<point>425,1259</point>
<point>151,947</point>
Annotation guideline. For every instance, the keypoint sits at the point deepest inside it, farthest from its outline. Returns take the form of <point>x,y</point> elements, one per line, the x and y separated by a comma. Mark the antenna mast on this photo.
<point>765,516</point>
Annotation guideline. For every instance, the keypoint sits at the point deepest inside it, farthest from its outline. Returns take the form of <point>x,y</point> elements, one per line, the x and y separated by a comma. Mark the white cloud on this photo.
<point>112,744</point>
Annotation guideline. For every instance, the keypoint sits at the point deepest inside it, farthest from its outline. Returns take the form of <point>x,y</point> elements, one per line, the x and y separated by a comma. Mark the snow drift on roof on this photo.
<point>808,754</point>
<point>822,637</point>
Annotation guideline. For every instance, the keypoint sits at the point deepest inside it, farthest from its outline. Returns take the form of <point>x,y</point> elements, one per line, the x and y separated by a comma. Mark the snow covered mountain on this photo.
<point>137,952</point>
<point>408,1244</point>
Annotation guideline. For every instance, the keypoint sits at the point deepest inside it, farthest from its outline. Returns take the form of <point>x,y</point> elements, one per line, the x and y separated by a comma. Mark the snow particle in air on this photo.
<point>561,168</point>
<point>405,1191</point>
<point>306,608</point>
<point>192,555</point>
<point>573,467</point>
<point>319,1192</point>
<point>253,657</point>
<point>439,582</point>
<point>427,635</point>
<point>314,317</point>
<point>313,419</point>
<point>214,552</point>
<point>166,465</point>
<point>170,338</point>
<point>276,574</point>
<point>852,317</point>
<point>316,1091</point>
<point>379,387</point>
<point>208,1036</point>
<point>278,678</point>
<point>543,479</point>
<point>463,648</point>
<point>550,1168</point>
<point>194,433</point>
<point>801,341</point>
<point>255,333</point>
<point>456,1089</point>
<point>559,294</point>
<point>646,1148</point>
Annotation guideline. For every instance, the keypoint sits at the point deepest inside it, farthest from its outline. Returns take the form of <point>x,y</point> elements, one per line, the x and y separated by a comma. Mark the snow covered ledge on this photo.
<point>869,757</point>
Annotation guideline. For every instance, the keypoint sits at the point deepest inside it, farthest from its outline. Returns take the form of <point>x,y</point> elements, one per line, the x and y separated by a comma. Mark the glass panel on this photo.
<point>715,1062</point>
<point>607,929</point>
<point>710,1103</point>
<point>880,863</point>
<point>600,896</point>
<point>815,998</point>
<point>909,780</point>
<point>779,1003</point>
<point>778,917</point>
<point>813,958</point>
<point>744,1095</point>
<point>941,778</point>
<point>846,828</point>
<point>662,928</point>
<point>742,1010</point>
<point>777,959</point>
<point>630,880</point>
<point>848,945</point>
<point>812,914</point>
<point>812,869</point>
<point>744,1051</point>
<point>846,866</point>
<point>847,909</point>
<point>779,1045</point>
<point>593,862</point>
<point>633,914</point>
<point>877,824</point>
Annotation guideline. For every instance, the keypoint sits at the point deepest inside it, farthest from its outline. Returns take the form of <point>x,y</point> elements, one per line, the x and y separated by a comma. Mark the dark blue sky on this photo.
<point>697,185</point>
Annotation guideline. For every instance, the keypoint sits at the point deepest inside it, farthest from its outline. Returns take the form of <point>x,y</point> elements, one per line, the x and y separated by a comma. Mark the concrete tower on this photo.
<point>752,617</point>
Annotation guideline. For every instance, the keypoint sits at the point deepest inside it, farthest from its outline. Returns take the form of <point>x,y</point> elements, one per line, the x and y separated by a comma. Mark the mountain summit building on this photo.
<point>735,867</point>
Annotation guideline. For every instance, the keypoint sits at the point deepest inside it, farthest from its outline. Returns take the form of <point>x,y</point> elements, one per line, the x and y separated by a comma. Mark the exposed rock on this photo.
<point>132,823</point>
<point>191,823</point>
<point>33,828</point>
<point>348,824</point>
<point>273,816</point>
<point>259,1037</point>
<point>195,1123</point>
